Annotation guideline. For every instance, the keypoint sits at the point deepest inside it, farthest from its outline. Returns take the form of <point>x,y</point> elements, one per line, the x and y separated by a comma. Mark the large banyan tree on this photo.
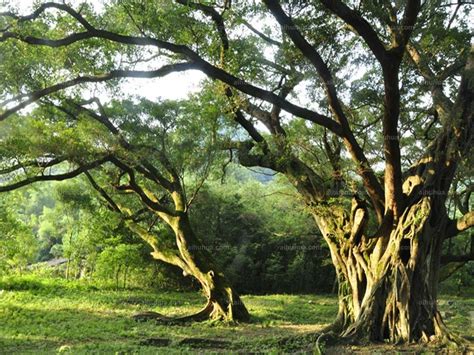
<point>366,107</point>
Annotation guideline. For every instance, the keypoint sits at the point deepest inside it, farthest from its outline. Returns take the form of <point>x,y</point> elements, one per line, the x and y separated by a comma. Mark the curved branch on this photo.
<point>459,225</point>
<point>441,101</point>
<point>57,177</point>
<point>261,35</point>
<point>215,16</point>
<point>363,28</point>
<point>371,183</point>
<point>203,65</point>
<point>148,170</point>
<point>114,74</point>
<point>50,5</point>
<point>150,202</point>
<point>111,203</point>
<point>32,163</point>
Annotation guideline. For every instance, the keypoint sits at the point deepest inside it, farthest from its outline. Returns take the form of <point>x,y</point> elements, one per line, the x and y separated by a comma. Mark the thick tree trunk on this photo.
<point>226,303</point>
<point>194,258</point>
<point>388,285</point>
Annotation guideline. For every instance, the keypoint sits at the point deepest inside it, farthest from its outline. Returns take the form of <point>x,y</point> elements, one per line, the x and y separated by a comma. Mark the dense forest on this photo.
<point>238,148</point>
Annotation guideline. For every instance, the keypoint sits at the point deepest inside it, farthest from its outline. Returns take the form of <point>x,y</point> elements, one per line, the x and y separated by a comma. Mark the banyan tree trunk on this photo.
<point>388,284</point>
<point>195,259</point>
<point>224,302</point>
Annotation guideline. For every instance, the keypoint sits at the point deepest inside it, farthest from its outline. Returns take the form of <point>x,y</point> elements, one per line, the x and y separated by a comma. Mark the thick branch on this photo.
<point>363,28</point>
<point>56,177</point>
<point>214,72</point>
<point>114,74</point>
<point>442,103</point>
<point>461,224</point>
<point>408,23</point>
<point>456,258</point>
<point>214,15</point>
<point>149,201</point>
<point>370,181</point>
<point>206,67</point>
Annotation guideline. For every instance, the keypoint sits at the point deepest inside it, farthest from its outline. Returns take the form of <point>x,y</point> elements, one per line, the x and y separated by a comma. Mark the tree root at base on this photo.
<point>318,341</point>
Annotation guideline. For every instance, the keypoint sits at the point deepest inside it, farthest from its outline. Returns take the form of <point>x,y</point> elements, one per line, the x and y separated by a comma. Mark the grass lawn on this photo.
<point>50,316</point>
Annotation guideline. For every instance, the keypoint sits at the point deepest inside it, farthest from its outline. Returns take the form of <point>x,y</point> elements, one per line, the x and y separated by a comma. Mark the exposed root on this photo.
<point>444,337</point>
<point>325,339</point>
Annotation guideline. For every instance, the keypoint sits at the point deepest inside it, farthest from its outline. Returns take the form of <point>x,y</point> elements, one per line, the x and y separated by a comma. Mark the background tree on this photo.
<point>264,239</point>
<point>18,247</point>
<point>141,177</point>
<point>100,236</point>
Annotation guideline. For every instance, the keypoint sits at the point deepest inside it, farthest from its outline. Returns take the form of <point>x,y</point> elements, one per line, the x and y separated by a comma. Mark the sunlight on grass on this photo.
<point>63,317</point>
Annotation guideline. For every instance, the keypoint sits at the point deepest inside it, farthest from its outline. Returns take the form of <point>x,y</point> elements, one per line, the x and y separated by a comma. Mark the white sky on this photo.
<point>172,87</point>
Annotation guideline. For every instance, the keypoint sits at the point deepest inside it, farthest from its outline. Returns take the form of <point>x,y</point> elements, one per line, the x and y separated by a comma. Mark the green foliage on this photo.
<point>18,246</point>
<point>261,235</point>
<point>117,261</point>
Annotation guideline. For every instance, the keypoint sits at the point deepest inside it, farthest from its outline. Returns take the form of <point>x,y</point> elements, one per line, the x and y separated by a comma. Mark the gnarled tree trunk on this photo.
<point>388,285</point>
<point>223,302</point>
<point>388,281</point>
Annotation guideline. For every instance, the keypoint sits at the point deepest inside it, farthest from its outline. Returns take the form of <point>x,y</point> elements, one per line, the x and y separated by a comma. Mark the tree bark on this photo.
<point>394,296</point>
<point>388,282</point>
<point>226,303</point>
<point>223,302</point>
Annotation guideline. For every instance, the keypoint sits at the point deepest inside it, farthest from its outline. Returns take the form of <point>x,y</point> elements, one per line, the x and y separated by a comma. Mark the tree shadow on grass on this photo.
<point>26,345</point>
<point>293,309</point>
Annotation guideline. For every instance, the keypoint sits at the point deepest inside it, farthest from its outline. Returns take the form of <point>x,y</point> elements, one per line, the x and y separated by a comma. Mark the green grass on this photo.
<point>49,316</point>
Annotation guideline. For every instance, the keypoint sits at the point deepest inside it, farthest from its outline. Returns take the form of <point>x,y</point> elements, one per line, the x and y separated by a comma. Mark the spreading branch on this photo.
<point>114,74</point>
<point>360,25</point>
<point>149,201</point>
<point>55,177</point>
<point>147,168</point>
<point>37,163</point>
<point>262,35</point>
<point>365,171</point>
<point>461,224</point>
<point>199,63</point>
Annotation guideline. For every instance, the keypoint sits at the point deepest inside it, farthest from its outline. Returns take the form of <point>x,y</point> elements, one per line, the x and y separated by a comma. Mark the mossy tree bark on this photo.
<point>194,259</point>
<point>388,285</point>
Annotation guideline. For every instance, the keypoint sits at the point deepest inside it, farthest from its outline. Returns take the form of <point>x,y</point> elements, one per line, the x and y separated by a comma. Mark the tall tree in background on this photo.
<point>366,108</point>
